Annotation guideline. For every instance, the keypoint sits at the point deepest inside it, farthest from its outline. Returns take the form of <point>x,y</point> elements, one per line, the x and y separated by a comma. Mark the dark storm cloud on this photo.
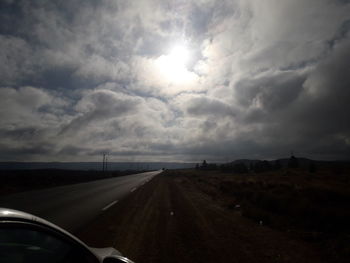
<point>273,92</point>
<point>264,77</point>
<point>325,103</point>
<point>308,111</point>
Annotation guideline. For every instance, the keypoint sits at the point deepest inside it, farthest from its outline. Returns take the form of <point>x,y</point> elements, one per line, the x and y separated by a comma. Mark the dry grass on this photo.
<point>313,207</point>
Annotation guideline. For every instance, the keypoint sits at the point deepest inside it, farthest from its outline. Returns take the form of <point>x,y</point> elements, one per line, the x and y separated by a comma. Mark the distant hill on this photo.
<point>303,162</point>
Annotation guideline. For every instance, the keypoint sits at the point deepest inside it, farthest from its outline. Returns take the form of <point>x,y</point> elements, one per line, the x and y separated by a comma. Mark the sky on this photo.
<point>155,80</point>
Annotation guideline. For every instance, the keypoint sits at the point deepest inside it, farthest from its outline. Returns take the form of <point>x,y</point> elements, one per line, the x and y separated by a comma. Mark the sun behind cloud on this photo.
<point>172,66</point>
<point>179,55</point>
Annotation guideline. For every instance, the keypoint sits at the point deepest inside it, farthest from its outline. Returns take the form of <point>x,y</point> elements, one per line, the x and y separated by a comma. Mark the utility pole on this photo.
<point>104,162</point>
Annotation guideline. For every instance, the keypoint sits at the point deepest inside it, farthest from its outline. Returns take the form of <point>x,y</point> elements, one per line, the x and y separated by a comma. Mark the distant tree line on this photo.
<point>254,166</point>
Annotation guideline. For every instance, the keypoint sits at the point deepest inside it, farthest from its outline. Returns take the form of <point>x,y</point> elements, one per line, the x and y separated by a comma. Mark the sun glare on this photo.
<point>179,56</point>
<point>173,66</point>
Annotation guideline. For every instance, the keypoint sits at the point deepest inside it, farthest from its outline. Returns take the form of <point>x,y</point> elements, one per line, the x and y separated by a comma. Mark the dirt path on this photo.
<point>170,220</point>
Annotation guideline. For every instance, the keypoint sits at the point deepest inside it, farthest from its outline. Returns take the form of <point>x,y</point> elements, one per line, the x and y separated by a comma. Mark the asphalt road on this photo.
<point>73,206</point>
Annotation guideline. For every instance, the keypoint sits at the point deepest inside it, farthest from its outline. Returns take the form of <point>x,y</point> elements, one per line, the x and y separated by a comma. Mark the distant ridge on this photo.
<point>303,162</point>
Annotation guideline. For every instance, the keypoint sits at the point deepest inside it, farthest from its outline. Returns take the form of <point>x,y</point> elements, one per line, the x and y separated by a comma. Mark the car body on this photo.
<point>28,238</point>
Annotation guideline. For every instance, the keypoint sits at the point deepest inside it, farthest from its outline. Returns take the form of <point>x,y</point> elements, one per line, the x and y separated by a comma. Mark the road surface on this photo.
<point>73,206</point>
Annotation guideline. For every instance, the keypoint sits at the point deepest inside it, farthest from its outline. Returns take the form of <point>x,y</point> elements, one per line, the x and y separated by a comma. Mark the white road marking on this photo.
<point>132,190</point>
<point>108,206</point>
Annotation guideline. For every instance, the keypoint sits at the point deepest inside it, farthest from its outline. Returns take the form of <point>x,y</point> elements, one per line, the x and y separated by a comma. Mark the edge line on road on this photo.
<point>108,206</point>
<point>132,190</point>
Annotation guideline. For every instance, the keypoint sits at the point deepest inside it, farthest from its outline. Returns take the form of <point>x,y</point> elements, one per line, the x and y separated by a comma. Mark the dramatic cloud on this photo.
<point>174,80</point>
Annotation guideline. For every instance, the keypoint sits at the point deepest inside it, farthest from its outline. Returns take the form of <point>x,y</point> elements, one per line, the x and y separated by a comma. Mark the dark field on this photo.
<point>313,207</point>
<point>290,215</point>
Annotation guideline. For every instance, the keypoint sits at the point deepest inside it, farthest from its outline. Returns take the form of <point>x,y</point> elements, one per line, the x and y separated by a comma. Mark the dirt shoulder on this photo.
<point>170,219</point>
